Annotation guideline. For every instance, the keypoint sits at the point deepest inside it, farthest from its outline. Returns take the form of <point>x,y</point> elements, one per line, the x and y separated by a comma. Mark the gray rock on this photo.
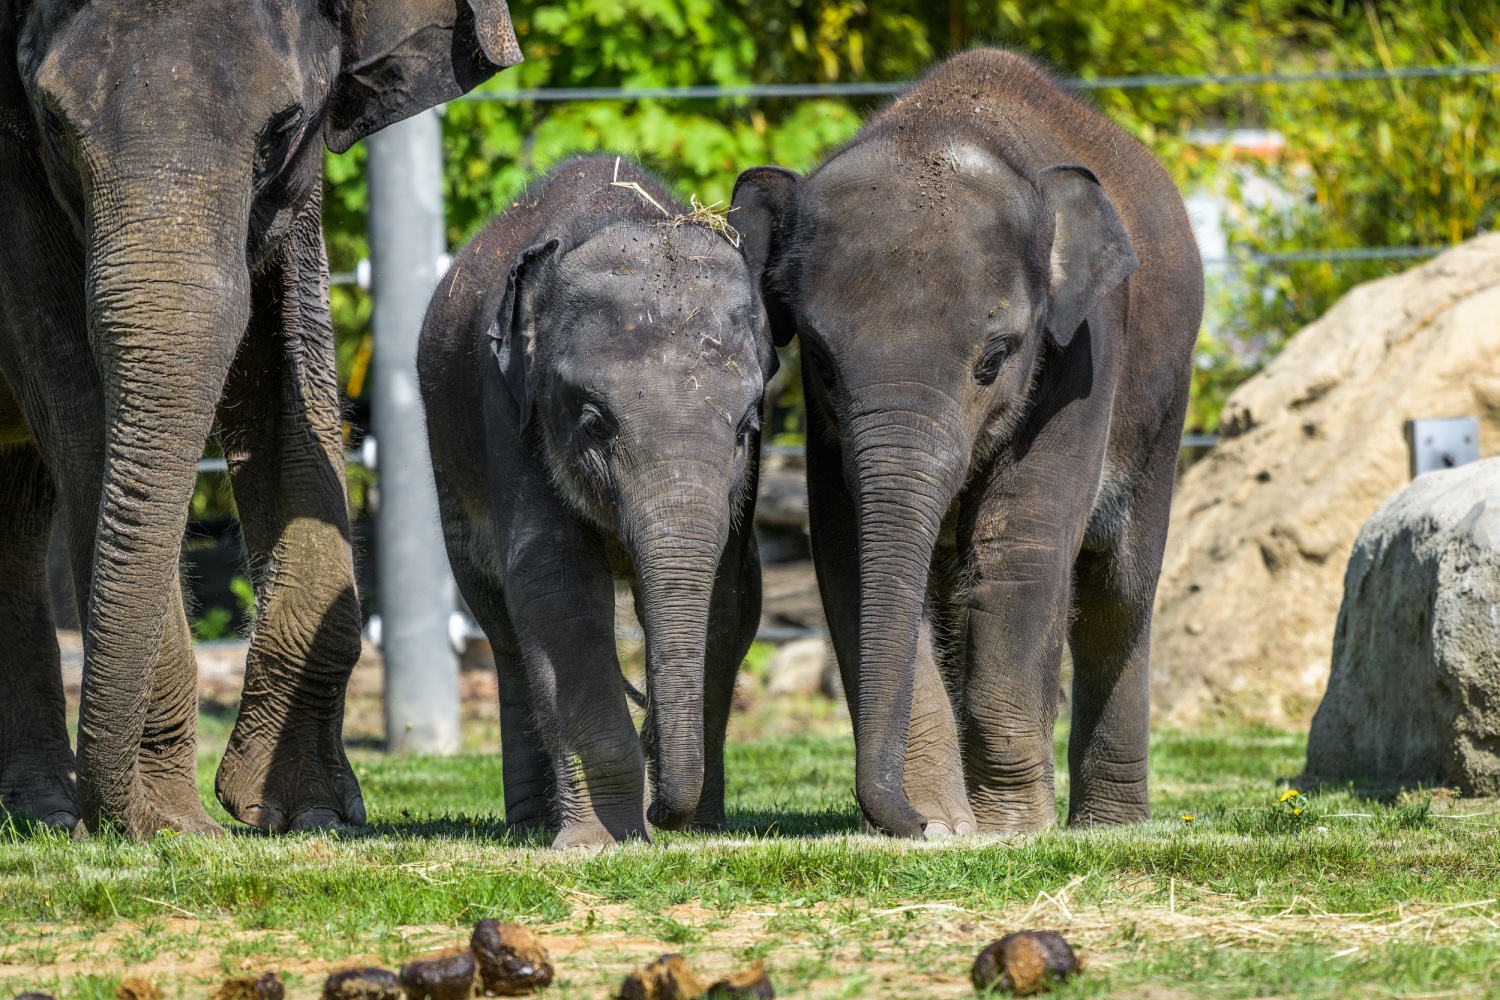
<point>797,667</point>
<point>1414,693</point>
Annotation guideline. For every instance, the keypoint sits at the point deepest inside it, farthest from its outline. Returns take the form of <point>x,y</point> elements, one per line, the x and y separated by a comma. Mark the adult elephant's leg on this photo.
<point>36,762</point>
<point>734,617</point>
<point>523,760</point>
<point>933,779</point>
<point>560,596</point>
<point>285,767</point>
<point>46,352</point>
<point>1109,743</point>
<point>169,743</point>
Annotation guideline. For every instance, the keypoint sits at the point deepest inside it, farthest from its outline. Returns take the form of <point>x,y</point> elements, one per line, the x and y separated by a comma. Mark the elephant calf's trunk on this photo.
<point>677,564</point>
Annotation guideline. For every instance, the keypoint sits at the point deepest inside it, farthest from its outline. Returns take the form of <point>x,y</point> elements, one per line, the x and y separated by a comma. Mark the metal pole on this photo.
<point>415,586</point>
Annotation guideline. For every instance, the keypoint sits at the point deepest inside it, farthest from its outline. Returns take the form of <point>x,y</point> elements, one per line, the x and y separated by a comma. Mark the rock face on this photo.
<point>1414,697</point>
<point>1262,528</point>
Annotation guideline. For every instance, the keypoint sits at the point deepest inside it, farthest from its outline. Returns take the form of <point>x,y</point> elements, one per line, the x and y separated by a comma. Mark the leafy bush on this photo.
<point>1377,163</point>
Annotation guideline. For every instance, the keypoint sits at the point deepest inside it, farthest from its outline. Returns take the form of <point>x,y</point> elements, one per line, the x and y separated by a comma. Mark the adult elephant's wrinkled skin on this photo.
<point>161,261</point>
<point>997,294</point>
<point>592,374</point>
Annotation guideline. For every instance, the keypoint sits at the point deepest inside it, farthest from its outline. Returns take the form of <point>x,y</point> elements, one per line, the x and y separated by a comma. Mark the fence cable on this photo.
<point>889,88</point>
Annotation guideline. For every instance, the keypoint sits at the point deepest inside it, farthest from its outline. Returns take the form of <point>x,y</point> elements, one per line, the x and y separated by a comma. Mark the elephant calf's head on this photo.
<point>638,357</point>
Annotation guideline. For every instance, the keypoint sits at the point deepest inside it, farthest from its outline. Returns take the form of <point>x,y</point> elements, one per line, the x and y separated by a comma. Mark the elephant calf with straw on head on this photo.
<point>161,261</point>
<point>997,295</point>
<point>592,373</point>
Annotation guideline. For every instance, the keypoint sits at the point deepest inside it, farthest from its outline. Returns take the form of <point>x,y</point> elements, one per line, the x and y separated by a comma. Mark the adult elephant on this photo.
<point>160,252</point>
<point>997,293</point>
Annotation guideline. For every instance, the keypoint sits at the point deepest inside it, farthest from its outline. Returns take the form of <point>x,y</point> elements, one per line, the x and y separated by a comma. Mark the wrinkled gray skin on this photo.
<point>593,378</point>
<point>997,294</point>
<point>161,261</point>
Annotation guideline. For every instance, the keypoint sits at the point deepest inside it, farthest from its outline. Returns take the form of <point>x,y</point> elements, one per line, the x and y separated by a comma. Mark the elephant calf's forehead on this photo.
<point>658,274</point>
<point>953,222</point>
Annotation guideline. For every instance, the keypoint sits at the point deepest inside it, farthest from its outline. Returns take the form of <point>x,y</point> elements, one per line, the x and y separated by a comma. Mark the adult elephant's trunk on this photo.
<point>168,295</point>
<point>680,536</point>
<point>904,473</point>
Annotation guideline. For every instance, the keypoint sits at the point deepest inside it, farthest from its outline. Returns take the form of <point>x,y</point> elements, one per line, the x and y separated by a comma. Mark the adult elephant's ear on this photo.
<point>513,332</point>
<point>405,56</point>
<point>1091,252</point>
<point>15,113</point>
<point>763,208</point>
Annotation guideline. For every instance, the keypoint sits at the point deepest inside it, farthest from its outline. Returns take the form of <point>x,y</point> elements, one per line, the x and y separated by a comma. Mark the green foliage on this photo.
<point>212,625</point>
<point>1364,164</point>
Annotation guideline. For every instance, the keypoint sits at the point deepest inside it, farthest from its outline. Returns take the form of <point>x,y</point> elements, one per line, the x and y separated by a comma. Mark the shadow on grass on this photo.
<point>493,831</point>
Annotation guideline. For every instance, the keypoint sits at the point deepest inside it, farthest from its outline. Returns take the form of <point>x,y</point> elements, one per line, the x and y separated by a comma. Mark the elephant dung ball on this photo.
<point>512,960</point>
<point>667,978</point>
<point>1025,962</point>
<point>747,984</point>
<point>263,987</point>
<point>137,988</point>
<point>362,984</point>
<point>440,975</point>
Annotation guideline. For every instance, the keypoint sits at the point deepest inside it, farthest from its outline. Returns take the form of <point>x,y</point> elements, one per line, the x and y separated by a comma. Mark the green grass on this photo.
<point>1322,895</point>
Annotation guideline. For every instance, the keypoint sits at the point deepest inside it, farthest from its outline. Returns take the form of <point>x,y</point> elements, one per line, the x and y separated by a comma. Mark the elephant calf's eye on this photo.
<point>594,424</point>
<point>749,427</point>
<point>988,366</point>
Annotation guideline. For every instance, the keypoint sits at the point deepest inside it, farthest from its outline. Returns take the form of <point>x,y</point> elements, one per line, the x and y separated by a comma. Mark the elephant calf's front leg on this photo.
<point>562,608</point>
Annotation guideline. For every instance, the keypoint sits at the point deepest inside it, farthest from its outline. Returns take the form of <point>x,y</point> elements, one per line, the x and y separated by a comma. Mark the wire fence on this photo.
<point>1136,82</point>
<point>894,87</point>
<point>1142,81</point>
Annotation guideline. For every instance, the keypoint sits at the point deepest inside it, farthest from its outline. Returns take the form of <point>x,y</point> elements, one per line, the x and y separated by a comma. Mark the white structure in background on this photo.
<point>1242,190</point>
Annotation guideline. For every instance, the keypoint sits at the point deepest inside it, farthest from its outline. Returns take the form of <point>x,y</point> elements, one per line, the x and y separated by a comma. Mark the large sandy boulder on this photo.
<point>1414,696</point>
<point>1262,528</point>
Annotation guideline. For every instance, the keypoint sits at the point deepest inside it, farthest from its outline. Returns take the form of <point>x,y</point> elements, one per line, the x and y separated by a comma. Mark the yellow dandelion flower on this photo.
<point>1296,810</point>
<point>1289,795</point>
<point>1188,817</point>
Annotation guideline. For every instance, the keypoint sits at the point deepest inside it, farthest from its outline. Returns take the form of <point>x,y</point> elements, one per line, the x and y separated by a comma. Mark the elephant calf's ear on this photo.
<point>512,332</point>
<point>1091,252</point>
<point>762,207</point>
<point>405,56</point>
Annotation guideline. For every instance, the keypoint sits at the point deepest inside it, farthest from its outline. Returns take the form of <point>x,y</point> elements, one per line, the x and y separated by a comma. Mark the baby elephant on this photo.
<point>592,369</point>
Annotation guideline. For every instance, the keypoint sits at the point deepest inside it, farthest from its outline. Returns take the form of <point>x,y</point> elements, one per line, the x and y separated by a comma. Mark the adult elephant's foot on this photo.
<point>173,794</point>
<point>142,809</point>
<point>290,776</point>
<point>39,786</point>
<point>168,758</point>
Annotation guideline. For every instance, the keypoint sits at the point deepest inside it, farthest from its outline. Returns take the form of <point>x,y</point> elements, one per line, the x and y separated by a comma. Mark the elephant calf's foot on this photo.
<point>1023,811</point>
<point>286,781</point>
<point>592,832</point>
<point>951,818</point>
